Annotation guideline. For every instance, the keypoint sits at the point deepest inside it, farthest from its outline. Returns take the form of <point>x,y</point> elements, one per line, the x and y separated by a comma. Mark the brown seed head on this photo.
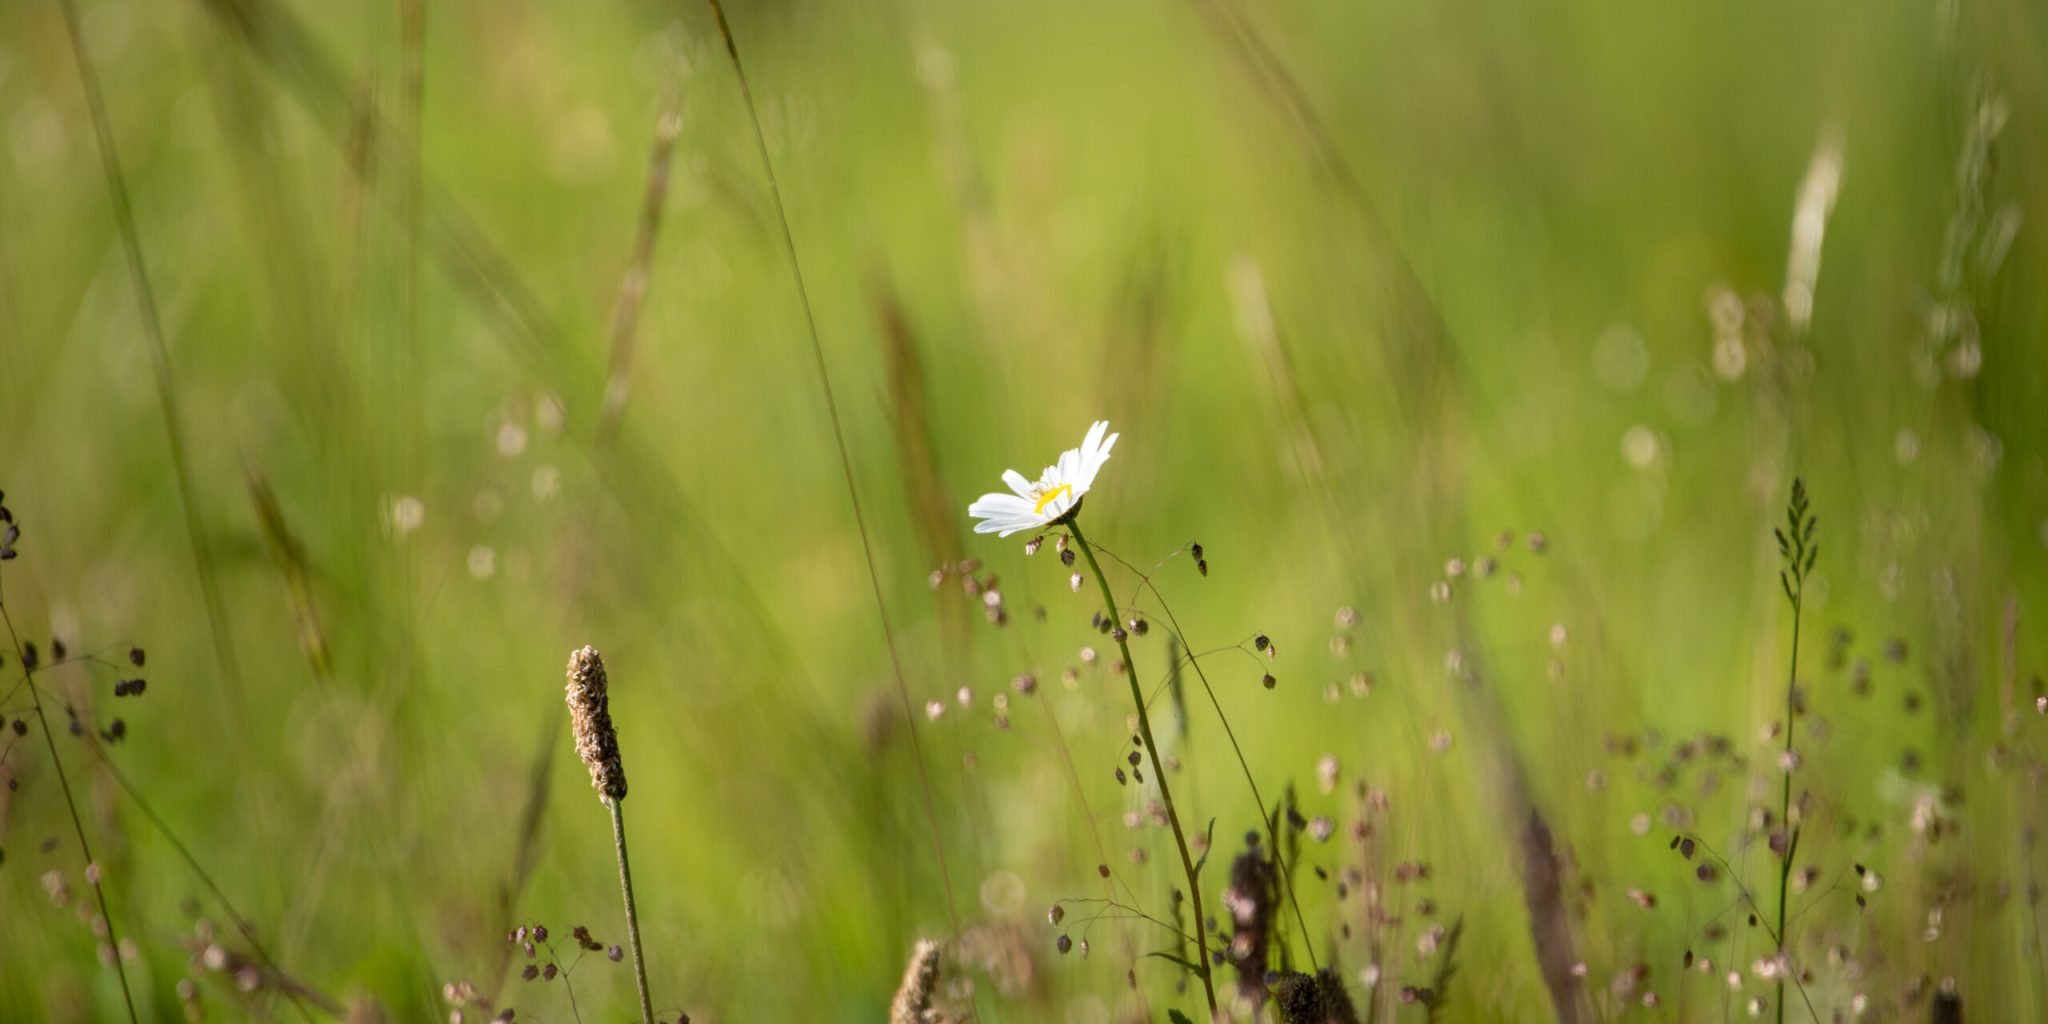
<point>590,720</point>
<point>913,1002</point>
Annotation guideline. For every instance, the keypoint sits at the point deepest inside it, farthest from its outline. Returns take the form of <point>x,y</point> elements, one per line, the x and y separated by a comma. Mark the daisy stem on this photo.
<point>632,913</point>
<point>1180,838</point>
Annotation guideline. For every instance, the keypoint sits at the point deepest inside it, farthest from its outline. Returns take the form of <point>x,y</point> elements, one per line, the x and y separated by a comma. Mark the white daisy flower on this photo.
<point>1058,491</point>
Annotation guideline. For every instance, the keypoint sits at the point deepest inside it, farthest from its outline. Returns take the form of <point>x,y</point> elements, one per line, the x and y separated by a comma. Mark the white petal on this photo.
<point>1000,506</point>
<point>1094,439</point>
<point>1004,514</point>
<point>1017,483</point>
<point>1070,465</point>
<point>1005,528</point>
<point>1092,463</point>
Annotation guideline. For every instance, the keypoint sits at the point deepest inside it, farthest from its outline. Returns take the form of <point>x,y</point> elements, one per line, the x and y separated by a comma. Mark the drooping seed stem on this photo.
<point>92,873</point>
<point>632,913</point>
<point>1180,839</point>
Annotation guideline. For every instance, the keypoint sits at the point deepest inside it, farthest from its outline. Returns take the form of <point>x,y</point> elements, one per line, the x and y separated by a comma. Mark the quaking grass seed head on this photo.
<point>590,721</point>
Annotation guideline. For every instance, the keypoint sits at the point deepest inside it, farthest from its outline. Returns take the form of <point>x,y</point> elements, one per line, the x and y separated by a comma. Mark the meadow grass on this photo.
<point>356,362</point>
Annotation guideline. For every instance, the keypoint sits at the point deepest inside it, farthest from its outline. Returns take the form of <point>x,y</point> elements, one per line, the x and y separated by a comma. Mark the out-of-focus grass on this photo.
<point>1493,295</point>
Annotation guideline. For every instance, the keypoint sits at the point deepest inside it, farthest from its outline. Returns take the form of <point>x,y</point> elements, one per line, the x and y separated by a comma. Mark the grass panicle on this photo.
<point>1180,839</point>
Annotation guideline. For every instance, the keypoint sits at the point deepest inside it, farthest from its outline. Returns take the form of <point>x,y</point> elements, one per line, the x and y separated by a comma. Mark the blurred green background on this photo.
<point>1363,286</point>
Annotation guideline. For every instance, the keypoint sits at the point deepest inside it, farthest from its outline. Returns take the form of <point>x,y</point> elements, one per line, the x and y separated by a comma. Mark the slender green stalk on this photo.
<point>1785,802</point>
<point>1798,549</point>
<point>860,522</point>
<point>294,989</point>
<point>159,359</point>
<point>597,744</point>
<point>1180,838</point>
<point>632,913</point>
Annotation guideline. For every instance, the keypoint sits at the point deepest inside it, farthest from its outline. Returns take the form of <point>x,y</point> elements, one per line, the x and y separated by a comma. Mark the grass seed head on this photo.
<point>590,719</point>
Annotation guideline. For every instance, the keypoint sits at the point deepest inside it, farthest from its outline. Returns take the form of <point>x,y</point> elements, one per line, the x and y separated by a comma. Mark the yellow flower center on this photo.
<point>1050,496</point>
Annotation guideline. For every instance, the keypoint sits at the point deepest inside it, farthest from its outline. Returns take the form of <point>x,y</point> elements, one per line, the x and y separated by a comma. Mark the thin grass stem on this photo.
<point>292,987</point>
<point>632,912</point>
<point>732,50</point>
<point>159,357</point>
<point>1785,802</point>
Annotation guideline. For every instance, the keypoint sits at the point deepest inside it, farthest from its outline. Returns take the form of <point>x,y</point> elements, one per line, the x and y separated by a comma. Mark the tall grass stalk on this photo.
<point>1785,808</point>
<point>1180,838</point>
<point>632,912</point>
<point>597,743</point>
<point>1797,548</point>
<point>668,126</point>
<point>732,50</point>
<point>159,356</point>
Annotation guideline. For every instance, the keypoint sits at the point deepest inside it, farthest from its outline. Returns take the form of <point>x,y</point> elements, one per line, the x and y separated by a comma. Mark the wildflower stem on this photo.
<point>1180,840</point>
<point>632,914</point>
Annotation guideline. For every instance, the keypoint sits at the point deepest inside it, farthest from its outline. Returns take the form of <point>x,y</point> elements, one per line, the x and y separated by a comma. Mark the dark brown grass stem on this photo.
<point>159,355</point>
<point>739,69</point>
<point>1180,838</point>
<point>92,875</point>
